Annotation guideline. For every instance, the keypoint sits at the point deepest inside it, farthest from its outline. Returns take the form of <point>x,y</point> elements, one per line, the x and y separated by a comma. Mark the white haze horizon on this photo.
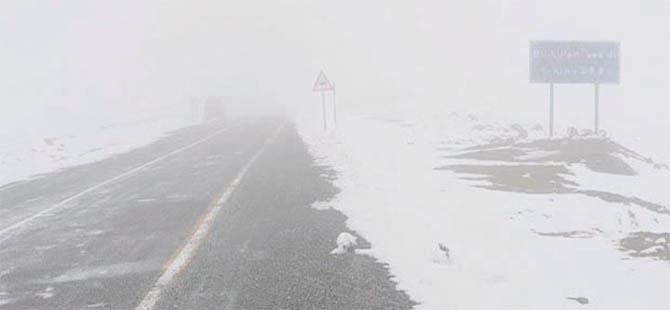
<point>69,63</point>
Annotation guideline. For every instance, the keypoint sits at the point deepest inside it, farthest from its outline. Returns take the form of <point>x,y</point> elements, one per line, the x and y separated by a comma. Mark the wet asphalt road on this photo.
<point>101,235</point>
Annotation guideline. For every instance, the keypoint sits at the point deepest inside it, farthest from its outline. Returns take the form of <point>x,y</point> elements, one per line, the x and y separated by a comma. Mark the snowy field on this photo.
<point>470,214</point>
<point>38,147</point>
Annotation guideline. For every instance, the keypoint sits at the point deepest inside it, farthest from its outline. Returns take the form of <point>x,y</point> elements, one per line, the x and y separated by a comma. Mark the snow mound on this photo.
<point>345,243</point>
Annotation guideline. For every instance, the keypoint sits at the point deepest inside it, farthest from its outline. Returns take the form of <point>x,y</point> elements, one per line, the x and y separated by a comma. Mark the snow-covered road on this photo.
<point>210,216</point>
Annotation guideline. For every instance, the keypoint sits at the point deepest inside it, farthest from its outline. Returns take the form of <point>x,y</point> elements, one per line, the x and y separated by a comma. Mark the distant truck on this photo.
<point>214,109</point>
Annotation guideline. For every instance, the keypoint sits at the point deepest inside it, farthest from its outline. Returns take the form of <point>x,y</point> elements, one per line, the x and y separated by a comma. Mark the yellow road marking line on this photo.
<point>193,230</point>
<point>182,257</point>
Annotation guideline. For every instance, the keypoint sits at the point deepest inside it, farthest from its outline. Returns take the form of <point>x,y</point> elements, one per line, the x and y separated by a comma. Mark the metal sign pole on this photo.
<point>323,85</point>
<point>323,109</point>
<point>575,62</point>
<point>334,106</point>
<point>597,103</point>
<point>551,110</point>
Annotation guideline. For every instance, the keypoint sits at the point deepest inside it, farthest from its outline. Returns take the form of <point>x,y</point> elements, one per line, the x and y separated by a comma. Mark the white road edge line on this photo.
<point>184,256</point>
<point>27,220</point>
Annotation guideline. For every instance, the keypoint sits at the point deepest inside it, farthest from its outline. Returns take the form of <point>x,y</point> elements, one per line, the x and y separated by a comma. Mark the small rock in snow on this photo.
<point>345,243</point>
<point>441,254</point>
<point>581,300</point>
<point>443,248</point>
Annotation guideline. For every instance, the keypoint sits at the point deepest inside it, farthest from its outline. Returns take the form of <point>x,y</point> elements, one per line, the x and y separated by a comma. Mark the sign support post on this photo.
<point>551,110</point>
<point>574,62</point>
<point>323,85</point>
<point>597,108</point>
<point>323,109</point>
<point>334,106</point>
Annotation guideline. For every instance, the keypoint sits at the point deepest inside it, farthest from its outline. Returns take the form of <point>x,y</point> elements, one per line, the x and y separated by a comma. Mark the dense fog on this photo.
<point>84,60</point>
<point>161,154</point>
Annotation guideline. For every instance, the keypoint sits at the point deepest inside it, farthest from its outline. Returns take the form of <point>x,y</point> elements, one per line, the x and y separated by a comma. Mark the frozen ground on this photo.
<point>38,147</point>
<point>468,215</point>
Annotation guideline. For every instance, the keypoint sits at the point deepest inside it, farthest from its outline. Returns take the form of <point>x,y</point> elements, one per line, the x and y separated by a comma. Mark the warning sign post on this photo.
<point>323,85</point>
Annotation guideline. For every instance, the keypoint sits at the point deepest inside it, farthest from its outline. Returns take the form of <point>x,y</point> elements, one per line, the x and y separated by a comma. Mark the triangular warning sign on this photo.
<point>322,83</point>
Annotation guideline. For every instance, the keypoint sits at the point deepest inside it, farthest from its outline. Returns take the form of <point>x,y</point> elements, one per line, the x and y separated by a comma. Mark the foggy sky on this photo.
<point>121,56</point>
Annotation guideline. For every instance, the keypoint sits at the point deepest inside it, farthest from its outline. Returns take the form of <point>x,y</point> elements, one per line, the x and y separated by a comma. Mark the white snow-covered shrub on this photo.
<point>345,243</point>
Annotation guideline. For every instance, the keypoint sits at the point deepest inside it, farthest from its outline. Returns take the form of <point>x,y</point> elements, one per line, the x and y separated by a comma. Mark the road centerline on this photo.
<point>182,256</point>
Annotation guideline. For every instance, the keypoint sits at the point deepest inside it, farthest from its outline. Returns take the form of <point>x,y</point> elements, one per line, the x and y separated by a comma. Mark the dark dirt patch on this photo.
<point>542,167</point>
<point>600,155</point>
<point>532,179</point>
<point>647,244</point>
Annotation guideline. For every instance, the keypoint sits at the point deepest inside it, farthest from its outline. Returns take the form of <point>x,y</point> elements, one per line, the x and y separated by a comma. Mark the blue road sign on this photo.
<point>594,62</point>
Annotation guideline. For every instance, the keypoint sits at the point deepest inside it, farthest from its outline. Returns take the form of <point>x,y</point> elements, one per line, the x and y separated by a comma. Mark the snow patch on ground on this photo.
<point>108,271</point>
<point>47,293</point>
<point>345,243</point>
<point>507,249</point>
<point>97,305</point>
<point>25,152</point>
<point>5,301</point>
